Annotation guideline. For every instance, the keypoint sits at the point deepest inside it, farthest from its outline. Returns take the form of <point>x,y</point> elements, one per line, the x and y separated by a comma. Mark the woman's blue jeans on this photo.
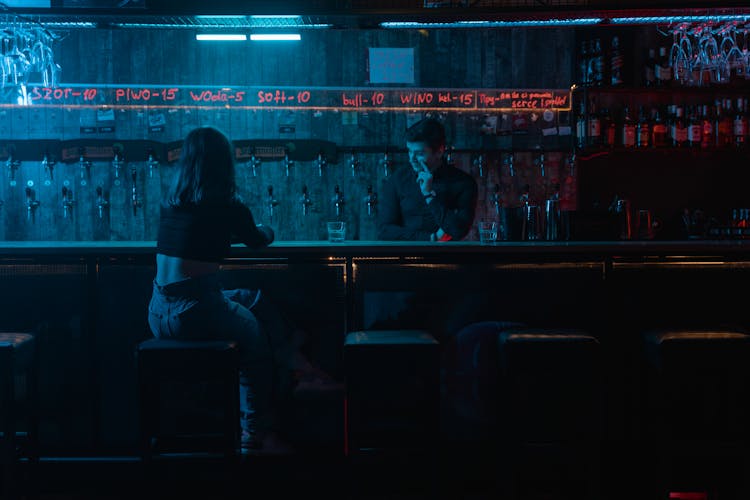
<point>198,309</point>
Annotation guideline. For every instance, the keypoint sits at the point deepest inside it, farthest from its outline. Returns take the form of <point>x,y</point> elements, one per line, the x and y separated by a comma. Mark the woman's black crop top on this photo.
<point>206,233</point>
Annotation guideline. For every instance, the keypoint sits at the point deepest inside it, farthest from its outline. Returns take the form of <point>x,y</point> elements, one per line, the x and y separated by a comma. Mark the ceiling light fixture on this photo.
<point>270,37</point>
<point>222,37</point>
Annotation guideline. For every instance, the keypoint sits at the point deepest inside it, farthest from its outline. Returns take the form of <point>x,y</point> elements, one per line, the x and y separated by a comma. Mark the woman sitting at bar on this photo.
<point>201,216</point>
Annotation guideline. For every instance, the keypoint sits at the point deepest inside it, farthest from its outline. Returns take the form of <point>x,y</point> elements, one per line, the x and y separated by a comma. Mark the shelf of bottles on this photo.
<point>660,107</point>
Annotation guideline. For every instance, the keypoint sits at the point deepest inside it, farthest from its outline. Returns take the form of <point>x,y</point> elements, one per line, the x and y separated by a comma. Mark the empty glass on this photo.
<point>487,232</point>
<point>336,231</point>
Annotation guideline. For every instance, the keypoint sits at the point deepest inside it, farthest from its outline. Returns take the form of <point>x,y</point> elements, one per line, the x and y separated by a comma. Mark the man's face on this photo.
<point>421,155</point>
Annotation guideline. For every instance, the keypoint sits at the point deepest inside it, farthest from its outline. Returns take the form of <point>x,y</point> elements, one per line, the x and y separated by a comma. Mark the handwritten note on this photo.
<point>297,98</point>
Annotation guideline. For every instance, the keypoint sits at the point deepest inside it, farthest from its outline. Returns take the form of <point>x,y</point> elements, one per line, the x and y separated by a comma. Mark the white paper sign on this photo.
<point>391,65</point>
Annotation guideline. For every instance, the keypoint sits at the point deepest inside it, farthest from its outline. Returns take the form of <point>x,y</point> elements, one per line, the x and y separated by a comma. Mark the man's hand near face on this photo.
<point>424,180</point>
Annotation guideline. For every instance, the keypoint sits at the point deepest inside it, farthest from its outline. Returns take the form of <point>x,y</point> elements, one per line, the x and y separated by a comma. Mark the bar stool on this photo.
<point>550,411</point>
<point>392,393</point>
<point>694,410</point>
<point>179,364</point>
<point>18,361</point>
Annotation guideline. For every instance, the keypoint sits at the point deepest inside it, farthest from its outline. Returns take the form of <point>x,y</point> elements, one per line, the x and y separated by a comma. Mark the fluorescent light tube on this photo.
<point>220,37</point>
<point>267,37</point>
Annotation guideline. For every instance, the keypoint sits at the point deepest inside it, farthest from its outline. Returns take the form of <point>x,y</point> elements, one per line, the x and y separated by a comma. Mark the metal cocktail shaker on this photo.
<point>625,218</point>
<point>552,220</point>
<point>531,227</point>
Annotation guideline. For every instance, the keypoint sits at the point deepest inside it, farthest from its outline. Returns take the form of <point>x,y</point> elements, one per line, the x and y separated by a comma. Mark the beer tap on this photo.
<point>287,162</point>
<point>338,200</point>
<point>495,198</point>
<point>13,165</point>
<point>134,199</point>
<point>525,196</point>
<point>353,163</point>
<point>152,162</point>
<point>571,161</point>
<point>508,160</point>
<point>49,165</point>
<point>387,163</point>
<point>117,164</point>
<point>540,161</point>
<point>305,201</point>
<point>102,203</point>
<point>479,162</point>
<point>321,162</point>
<point>32,204</point>
<point>84,164</point>
<point>271,202</point>
<point>255,163</point>
<point>449,160</point>
<point>371,200</point>
<point>67,202</point>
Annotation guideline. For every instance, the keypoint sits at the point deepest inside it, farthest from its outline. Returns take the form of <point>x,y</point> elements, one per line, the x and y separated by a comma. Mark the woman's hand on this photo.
<point>267,232</point>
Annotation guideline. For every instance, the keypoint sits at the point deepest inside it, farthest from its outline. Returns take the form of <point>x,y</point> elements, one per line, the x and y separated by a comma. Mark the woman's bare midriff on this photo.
<point>172,269</point>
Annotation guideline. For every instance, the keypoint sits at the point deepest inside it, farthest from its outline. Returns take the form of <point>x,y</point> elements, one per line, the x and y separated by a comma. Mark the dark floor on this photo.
<point>458,472</point>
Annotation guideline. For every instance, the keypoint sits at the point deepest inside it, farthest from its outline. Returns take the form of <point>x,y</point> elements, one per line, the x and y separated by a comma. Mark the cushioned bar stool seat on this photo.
<point>178,364</point>
<point>697,381</point>
<point>392,391</point>
<point>18,362</point>
<point>550,411</point>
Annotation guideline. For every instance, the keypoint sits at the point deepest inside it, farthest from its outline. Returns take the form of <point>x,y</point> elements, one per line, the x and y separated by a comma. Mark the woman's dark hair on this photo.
<point>429,130</point>
<point>206,173</point>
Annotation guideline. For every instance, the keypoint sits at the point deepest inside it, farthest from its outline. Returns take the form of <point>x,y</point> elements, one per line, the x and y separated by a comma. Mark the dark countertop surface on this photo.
<point>288,249</point>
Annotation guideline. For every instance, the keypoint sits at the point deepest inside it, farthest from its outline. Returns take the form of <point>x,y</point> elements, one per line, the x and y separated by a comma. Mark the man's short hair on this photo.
<point>428,130</point>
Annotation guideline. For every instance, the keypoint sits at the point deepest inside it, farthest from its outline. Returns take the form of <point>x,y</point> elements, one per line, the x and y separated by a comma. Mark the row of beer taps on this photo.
<point>386,162</point>
<point>68,203</point>
<point>338,200</point>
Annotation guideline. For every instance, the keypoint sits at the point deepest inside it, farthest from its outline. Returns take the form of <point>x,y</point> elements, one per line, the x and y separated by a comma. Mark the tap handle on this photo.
<point>133,175</point>
<point>449,156</point>
<point>28,194</point>
<point>65,193</point>
<point>270,191</point>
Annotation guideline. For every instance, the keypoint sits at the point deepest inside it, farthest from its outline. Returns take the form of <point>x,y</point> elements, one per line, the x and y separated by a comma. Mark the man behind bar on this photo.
<point>431,201</point>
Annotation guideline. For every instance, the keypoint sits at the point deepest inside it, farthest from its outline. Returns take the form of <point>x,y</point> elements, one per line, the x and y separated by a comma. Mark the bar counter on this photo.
<point>553,250</point>
<point>88,302</point>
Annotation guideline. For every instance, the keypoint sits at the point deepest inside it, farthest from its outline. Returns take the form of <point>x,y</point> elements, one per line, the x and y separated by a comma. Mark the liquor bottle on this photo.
<point>581,126</point>
<point>628,129</point>
<point>564,128</point>
<point>671,111</point>
<point>594,126</point>
<point>740,123</point>
<point>707,139</point>
<point>663,69</point>
<point>596,64</point>
<point>642,129</point>
<point>658,130</point>
<point>583,64</point>
<point>609,129</point>
<point>695,127</point>
<point>679,128</point>
<point>616,63</point>
<point>649,69</point>
<point>724,130</point>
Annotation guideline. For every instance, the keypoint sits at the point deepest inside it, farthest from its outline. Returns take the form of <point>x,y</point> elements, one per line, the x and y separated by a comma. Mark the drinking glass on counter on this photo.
<point>336,231</point>
<point>487,232</point>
